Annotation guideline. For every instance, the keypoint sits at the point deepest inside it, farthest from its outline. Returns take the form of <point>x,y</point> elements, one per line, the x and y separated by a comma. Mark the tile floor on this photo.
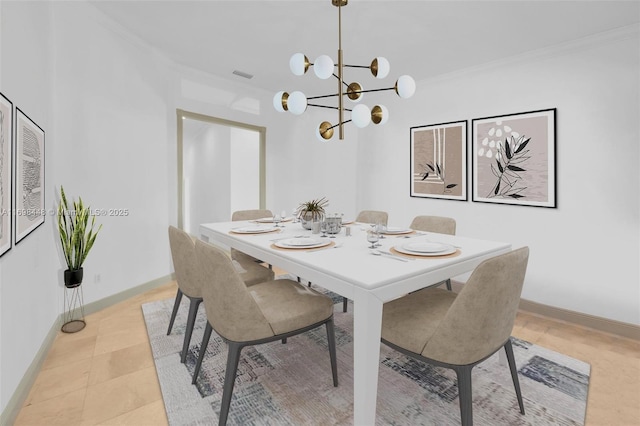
<point>105,375</point>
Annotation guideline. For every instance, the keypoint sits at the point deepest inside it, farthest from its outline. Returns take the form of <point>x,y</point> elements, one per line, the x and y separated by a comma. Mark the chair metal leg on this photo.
<point>514,373</point>
<point>233,358</point>
<point>203,348</point>
<point>464,394</point>
<point>448,284</point>
<point>193,310</point>
<point>331,341</point>
<point>344,304</point>
<point>176,305</point>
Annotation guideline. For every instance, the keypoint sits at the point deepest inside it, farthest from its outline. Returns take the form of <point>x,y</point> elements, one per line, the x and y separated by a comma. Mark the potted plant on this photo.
<point>77,236</point>
<point>311,211</point>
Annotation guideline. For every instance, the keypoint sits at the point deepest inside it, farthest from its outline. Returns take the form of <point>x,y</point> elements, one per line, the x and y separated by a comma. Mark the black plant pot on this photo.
<point>73,277</point>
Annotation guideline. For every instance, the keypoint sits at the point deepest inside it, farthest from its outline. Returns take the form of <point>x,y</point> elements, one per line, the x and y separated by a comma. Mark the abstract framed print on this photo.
<point>6,173</point>
<point>29,210</point>
<point>514,159</point>
<point>439,161</point>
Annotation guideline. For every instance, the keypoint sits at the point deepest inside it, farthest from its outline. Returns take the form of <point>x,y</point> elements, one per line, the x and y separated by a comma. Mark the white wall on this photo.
<point>584,253</point>
<point>206,171</point>
<point>303,168</point>
<point>221,168</point>
<point>245,169</point>
<point>29,272</point>
<point>112,116</point>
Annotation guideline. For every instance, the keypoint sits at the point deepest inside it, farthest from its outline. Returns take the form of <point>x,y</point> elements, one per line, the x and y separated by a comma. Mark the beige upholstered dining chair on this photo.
<point>186,267</point>
<point>372,216</point>
<point>256,272</point>
<point>245,316</point>
<point>459,332</point>
<point>438,224</point>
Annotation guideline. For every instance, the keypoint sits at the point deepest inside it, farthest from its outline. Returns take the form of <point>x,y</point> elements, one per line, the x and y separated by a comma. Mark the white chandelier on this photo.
<point>297,103</point>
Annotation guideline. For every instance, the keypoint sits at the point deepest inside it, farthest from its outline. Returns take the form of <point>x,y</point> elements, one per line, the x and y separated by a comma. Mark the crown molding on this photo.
<point>562,49</point>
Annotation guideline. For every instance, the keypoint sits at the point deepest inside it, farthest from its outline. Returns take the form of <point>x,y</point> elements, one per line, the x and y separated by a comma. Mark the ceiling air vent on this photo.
<point>243,74</point>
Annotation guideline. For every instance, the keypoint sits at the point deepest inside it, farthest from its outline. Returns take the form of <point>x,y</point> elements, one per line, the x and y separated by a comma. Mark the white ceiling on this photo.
<point>420,38</point>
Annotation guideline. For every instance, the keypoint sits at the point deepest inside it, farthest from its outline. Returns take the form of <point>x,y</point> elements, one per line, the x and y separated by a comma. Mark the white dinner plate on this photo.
<point>270,220</point>
<point>426,249</point>
<point>302,243</point>
<point>395,230</point>
<point>254,229</point>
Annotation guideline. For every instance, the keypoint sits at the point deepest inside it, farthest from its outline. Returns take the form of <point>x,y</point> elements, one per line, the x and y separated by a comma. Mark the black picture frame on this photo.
<point>6,174</point>
<point>514,159</point>
<point>438,161</point>
<point>29,177</point>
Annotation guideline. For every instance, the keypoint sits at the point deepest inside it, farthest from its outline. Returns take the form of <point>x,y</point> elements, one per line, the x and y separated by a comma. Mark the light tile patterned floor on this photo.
<point>104,375</point>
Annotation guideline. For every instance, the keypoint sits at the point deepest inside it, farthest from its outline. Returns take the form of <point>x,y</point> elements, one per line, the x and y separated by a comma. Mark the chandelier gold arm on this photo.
<point>340,3</point>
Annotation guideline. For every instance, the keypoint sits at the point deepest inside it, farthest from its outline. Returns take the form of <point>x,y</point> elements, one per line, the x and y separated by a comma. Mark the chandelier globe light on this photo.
<point>324,68</point>
<point>297,103</point>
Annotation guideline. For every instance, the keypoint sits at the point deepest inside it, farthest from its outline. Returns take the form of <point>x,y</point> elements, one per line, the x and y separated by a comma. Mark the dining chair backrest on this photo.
<point>247,215</point>
<point>184,262</point>
<point>250,214</point>
<point>439,224</point>
<point>372,216</point>
<point>230,308</point>
<point>481,318</point>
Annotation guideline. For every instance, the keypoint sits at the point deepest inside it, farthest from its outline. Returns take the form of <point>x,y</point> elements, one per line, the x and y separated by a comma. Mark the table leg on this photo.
<point>367,314</point>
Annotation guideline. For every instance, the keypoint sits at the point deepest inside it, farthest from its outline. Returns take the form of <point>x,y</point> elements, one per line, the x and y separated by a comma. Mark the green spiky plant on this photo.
<point>76,232</point>
<point>312,210</point>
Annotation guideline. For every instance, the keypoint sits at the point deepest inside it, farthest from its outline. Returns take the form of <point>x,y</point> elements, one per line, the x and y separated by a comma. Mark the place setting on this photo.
<point>425,249</point>
<point>396,231</point>
<point>302,243</point>
<point>255,229</point>
<point>272,220</point>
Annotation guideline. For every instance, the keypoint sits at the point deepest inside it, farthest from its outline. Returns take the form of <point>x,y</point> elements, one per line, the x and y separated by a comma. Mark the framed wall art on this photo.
<point>439,161</point>
<point>6,172</point>
<point>514,159</point>
<point>29,176</point>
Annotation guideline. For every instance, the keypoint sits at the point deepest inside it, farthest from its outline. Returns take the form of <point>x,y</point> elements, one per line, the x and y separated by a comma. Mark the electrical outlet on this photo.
<point>96,278</point>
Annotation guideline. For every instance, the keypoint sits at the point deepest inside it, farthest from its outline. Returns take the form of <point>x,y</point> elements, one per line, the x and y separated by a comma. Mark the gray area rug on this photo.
<point>291,384</point>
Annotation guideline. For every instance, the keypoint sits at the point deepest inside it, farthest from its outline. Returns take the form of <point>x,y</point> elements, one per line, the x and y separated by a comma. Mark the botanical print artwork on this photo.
<point>6,121</point>
<point>514,159</point>
<point>438,161</point>
<point>29,176</point>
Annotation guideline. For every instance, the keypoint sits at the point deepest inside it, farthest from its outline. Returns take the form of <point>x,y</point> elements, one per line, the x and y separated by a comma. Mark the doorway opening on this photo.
<point>221,169</point>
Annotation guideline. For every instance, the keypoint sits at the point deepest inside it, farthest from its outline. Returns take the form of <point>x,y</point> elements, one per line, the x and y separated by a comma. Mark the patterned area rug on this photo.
<point>291,384</point>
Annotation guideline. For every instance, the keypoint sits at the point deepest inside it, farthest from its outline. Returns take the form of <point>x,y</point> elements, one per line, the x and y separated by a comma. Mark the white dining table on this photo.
<point>348,268</point>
